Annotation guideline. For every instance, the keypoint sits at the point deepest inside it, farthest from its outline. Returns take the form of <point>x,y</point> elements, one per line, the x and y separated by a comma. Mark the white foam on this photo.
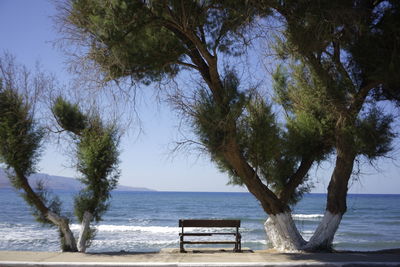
<point>264,242</point>
<point>307,216</point>
<point>132,228</point>
<point>137,243</point>
<point>146,229</point>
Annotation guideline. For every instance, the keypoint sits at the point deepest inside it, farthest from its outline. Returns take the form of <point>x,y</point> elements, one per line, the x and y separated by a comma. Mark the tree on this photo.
<point>97,161</point>
<point>149,41</point>
<point>152,40</point>
<point>349,50</point>
<point>20,146</point>
<point>21,139</point>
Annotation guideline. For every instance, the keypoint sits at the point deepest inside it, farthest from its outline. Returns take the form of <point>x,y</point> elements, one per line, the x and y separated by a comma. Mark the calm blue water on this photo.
<point>147,221</point>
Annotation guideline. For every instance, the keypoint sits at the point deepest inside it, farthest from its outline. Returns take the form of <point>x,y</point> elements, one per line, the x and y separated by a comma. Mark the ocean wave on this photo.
<point>136,242</point>
<point>349,234</point>
<point>132,228</point>
<point>254,231</point>
<point>307,216</point>
<point>389,222</point>
<point>155,229</point>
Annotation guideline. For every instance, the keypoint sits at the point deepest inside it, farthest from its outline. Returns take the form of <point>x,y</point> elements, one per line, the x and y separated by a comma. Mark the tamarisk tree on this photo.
<point>149,41</point>
<point>343,56</point>
<point>20,146</point>
<point>152,40</point>
<point>97,161</point>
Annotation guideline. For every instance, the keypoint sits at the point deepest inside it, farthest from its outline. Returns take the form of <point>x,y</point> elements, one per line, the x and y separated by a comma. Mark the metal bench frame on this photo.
<point>210,224</point>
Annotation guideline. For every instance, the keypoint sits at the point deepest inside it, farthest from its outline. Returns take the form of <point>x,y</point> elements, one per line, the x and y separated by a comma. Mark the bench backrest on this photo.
<point>209,223</point>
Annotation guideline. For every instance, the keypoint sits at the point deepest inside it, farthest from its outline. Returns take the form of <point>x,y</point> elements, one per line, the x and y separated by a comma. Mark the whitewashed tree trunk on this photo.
<point>325,232</point>
<point>85,228</point>
<point>284,236</point>
<point>63,225</point>
<point>283,233</point>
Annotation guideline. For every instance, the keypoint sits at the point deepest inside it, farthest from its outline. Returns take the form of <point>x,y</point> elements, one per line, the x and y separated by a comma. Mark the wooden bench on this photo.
<point>210,224</point>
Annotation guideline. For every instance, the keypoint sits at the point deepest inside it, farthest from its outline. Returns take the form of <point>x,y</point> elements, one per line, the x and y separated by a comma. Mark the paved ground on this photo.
<point>172,258</point>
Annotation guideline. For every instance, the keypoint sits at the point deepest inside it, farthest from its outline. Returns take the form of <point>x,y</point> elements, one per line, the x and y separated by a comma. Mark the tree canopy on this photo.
<point>199,30</point>
<point>150,40</point>
<point>347,51</point>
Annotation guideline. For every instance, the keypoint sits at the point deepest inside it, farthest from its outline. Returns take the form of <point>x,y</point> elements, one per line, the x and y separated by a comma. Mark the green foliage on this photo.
<point>125,39</point>
<point>68,116</point>
<point>97,157</point>
<point>374,134</point>
<point>379,31</point>
<point>264,145</point>
<point>98,163</point>
<point>52,202</point>
<point>146,40</point>
<point>20,137</point>
<point>340,40</point>
<point>260,135</point>
<point>20,147</point>
<point>310,114</point>
<point>329,48</point>
<point>212,122</point>
<point>312,117</point>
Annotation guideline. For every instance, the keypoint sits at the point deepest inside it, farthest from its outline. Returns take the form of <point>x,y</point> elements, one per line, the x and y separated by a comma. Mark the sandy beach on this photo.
<point>172,257</point>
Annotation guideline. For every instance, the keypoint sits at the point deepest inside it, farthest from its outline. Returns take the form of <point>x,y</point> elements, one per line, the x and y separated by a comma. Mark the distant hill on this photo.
<point>59,183</point>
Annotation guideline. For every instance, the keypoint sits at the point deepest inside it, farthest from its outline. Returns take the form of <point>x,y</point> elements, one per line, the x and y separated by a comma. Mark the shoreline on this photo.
<point>150,190</point>
<point>200,257</point>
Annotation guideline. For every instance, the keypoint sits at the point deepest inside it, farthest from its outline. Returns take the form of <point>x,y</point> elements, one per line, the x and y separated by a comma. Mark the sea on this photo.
<point>148,221</point>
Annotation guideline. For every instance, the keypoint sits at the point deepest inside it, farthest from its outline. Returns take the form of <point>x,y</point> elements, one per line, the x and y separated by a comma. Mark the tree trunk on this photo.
<point>67,238</point>
<point>336,200</point>
<point>68,243</point>
<point>85,231</point>
<point>280,227</point>
<point>323,236</point>
<point>268,200</point>
<point>283,234</point>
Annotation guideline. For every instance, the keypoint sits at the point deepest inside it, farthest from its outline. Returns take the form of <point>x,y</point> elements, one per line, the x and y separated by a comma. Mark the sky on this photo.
<point>27,31</point>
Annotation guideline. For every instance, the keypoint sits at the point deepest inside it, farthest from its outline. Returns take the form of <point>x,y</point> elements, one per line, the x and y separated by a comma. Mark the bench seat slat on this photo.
<point>205,234</point>
<point>209,223</point>
<point>208,242</point>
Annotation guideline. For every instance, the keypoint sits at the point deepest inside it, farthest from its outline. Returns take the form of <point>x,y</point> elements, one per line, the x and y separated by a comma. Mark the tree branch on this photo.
<point>360,97</point>
<point>187,64</point>
<point>296,179</point>
<point>269,201</point>
<point>202,34</point>
<point>338,62</point>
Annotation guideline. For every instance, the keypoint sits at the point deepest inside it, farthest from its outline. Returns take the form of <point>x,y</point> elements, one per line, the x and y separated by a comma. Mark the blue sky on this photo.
<point>27,31</point>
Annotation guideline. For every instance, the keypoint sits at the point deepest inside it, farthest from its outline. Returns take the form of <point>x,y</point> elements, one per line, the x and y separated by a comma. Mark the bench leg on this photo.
<point>238,245</point>
<point>237,248</point>
<point>182,250</point>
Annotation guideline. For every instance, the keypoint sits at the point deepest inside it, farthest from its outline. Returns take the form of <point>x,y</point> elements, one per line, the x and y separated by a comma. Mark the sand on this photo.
<point>207,257</point>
